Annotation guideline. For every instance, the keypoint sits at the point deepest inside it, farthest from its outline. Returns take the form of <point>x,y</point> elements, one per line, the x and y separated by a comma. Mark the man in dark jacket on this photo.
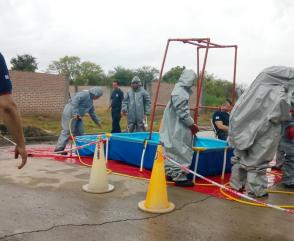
<point>220,120</point>
<point>116,99</point>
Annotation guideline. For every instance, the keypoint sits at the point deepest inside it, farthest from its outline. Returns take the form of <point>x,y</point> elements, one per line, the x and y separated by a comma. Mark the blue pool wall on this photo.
<point>128,148</point>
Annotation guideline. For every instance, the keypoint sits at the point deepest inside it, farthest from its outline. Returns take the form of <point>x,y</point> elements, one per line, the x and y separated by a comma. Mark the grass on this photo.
<point>52,123</point>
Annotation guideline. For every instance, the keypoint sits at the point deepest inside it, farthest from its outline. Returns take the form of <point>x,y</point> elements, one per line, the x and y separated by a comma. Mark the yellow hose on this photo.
<point>199,184</point>
<point>251,203</point>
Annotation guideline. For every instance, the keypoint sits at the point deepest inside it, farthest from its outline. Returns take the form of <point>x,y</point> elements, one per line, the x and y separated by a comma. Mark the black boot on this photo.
<point>184,183</point>
<point>288,185</point>
<point>59,151</point>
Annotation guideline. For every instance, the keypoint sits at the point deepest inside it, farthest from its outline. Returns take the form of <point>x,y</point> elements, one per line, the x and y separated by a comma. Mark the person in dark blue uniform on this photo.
<point>11,116</point>
<point>220,120</point>
<point>5,82</point>
<point>116,99</point>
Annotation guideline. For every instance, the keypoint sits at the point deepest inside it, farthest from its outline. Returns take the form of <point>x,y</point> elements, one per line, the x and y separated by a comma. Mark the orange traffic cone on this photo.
<point>98,182</point>
<point>156,198</point>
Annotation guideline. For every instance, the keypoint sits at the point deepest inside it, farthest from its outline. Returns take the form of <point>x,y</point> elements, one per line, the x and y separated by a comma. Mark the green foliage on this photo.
<point>24,62</point>
<point>147,74</point>
<point>69,66</point>
<point>91,74</point>
<point>215,90</point>
<point>79,73</point>
<point>173,74</point>
<point>123,75</point>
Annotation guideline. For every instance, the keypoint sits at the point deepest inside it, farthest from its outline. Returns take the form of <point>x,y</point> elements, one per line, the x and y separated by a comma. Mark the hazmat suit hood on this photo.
<point>95,92</point>
<point>175,133</point>
<point>186,80</point>
<point>136,79</point>
<point>266,102</point>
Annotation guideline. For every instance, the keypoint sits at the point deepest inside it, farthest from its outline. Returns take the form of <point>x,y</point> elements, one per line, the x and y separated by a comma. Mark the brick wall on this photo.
<point>38,93</point>
<point>103,101</point>
<point>163,98</point>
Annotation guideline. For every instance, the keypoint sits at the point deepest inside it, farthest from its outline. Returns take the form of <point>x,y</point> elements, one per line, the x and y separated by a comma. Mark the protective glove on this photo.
<point>194,129</point>
<point>290,132</point>
<point>124,113</point>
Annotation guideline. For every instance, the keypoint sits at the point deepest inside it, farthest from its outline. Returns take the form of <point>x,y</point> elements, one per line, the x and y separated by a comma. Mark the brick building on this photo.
<point>38,93</point>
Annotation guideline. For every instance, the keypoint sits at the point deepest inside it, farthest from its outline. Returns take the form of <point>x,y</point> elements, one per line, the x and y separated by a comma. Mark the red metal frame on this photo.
<point>201,43</point>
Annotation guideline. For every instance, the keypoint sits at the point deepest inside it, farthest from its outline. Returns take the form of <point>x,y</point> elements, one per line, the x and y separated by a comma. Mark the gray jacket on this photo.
<point>136,103</point>
<point>265,103</point>
<point>82,103</point>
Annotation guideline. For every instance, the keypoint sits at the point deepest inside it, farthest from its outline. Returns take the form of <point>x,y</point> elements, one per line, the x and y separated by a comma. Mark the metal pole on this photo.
<point>224,164</point>
<point>157,90</point>
<point>234,77</point>
<point>197,61</point>
<point>200,84</point>
<point>196,166</point>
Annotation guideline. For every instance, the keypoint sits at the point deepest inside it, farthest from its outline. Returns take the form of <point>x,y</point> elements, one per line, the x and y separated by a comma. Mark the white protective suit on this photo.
<point>136,104</point>
<point>80,104</point>
<point>255,127</point>
<point>175,133</point>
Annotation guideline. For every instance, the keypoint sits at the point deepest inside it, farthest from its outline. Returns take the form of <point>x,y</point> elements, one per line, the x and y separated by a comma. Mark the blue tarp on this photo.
<point>128,148</point>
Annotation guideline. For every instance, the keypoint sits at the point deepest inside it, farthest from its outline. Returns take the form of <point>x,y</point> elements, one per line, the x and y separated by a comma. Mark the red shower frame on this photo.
<point>201,43</point>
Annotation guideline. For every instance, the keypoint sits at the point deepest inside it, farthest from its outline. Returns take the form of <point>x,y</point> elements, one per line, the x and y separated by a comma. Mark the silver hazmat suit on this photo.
<point>255,127</point>
<point>80,104</point>
<point>286,149</point>
<point>136,104</point>
<point>175,133</point>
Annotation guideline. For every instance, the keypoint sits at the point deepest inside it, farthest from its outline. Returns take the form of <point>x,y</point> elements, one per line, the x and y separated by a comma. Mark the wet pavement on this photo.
<point>44,201</point>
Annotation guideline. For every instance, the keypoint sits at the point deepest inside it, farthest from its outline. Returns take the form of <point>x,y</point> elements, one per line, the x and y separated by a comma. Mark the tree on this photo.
<point>91,74</point>
<point>24,62</point>
<point>215,90</point>
<point>147,74</point>
<point>123,75</point>
<point>173,74</point>
<point>69,66</point>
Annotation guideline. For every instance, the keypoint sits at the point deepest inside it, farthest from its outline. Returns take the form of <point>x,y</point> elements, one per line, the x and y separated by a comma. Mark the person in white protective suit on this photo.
<point>136,106</point>
<point>255,128</point>
<point>286,149</point>
<point>78,106</point>
<point>178,128</point>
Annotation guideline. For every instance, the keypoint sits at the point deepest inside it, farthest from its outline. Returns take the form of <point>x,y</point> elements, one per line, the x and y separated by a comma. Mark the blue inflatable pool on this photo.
<point>128,148</point>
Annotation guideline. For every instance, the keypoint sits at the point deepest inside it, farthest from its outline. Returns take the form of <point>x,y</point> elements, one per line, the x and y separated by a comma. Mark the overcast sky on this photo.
<point>133,33</point>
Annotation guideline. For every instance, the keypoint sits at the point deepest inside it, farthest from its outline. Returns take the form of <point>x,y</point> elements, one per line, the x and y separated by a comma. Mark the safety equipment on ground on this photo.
<point>156,198</point>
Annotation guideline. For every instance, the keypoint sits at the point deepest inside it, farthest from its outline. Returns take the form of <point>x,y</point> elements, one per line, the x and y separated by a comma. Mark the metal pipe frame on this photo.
<point>201,43</point>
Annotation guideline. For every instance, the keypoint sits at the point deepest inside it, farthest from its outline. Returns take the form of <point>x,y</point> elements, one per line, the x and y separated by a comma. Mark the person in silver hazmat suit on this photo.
<point>76,108</point>
<point>136,106</point>
<point>285,159</point>
<point>255,128</point>
<point>177,129</point>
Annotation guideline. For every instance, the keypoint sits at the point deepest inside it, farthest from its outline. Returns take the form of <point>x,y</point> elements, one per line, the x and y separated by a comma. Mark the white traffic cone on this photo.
<point>98,182</point>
